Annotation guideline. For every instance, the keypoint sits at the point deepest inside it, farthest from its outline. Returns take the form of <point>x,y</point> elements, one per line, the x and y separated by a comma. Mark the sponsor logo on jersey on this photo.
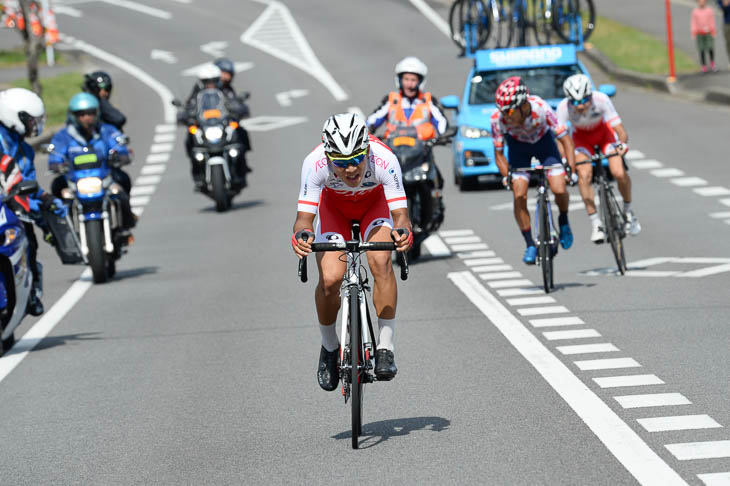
<point>321,163</point>
<point>380,162</point>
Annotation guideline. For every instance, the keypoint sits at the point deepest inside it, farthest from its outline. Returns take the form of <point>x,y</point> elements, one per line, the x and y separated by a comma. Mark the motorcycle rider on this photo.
<point>85,133</point>
<point>228,71</point>
<point>22,114</point>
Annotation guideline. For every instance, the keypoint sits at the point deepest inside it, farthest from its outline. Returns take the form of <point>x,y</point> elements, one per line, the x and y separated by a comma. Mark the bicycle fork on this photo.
<point>552,234</point>
<point>366,365</point>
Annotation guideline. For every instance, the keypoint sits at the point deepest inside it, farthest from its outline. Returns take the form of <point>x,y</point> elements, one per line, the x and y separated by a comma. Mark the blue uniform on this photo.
<point>70,143</point>
<point>22,155</point>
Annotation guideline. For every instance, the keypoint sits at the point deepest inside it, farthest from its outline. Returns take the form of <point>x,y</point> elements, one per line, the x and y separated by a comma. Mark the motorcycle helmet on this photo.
<point>225,65</point>
<point>411,65</point>
<point>209,73</point>
<point>22,110</point>
<point>345,134</point>
<point>96,81</point>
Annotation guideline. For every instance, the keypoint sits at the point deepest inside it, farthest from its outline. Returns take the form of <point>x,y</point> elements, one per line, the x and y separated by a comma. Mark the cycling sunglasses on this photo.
<point>351,160</point>
<point>581,102</point>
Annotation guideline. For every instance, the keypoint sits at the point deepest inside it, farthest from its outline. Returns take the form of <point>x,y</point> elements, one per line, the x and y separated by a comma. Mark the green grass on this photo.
<point>57,91</point>
<point>634,50</point>
<point>16,57</point>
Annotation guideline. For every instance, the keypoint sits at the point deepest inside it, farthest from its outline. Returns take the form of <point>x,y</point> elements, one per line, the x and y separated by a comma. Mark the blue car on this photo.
<point>543,68</point>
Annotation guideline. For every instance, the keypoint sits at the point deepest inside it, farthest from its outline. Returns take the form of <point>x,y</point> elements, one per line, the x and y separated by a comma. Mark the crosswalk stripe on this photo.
<point>470,247</point>
<point>628,380</point>
<point>668,172</point>
<point>484,261</point>
<point>142,190</point>
<point>165,128</point>
<point>147,180</point>
<point>499,275</point>
<point>712,191</point>
<point>546,299</point>
<point>606,364</point>
<point>138,210</point>
<point>164,137</point>
<point>646,164</point>
<point>157,148</point>
<point>447,233</point>
<point>157,158</point>
<point>462,239</point>
<point>476,254</point>
<point>521,291</point>
<point>688,181</point>
<point>557,321</point>
<point>572,334</point>
<point>588,348</point>
<point>536,311</point>
<point>139,200</point>
<point>153,169</point>
<point>721,215</point>
<point>678,422</point>
<point>491,268</point>
<point>436,247</point>
<point>652,400</point>
<point>503,284</point>
<point>726,202</point>
<point>634,155</point>
<point>700,450</point>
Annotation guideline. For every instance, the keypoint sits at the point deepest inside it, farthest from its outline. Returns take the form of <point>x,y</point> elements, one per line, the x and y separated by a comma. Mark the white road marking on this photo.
<point>536,311</point>
<point>164,137</point>
<point>215,48</point>
<point>153,169</point>
<point>646,164</point>
<point>165,128</point>
<point>722,215</point>
<point>491,268</point>
<point>138,210</point>
<point>573,334</point>
<point>154,12</point>
<point>634,155</point>
<point>66,10</point>
<point>142,190</point>
<point>628,380</point>
<point>504,284</point>
<point>557,321</point>
<point>650,273</point>
<point>606,364</point>
<point>482,261</point>
<point>139,200</point>
<point>432,16</point>
<point>715,479</point>
<point>670,172</point>
<point>436,247</point>
<point>636,456</point>
<point>268,123</point>
<point>187,2</point>
<point>588,348</point>
<point>637,269</point>
<point>293,48</point>
<point>357,110</point>
<point>157,158</point>
<point>712,191</point>
<point>678,422</point>
<point>470,247</point>
<point>523,291</point>
<point>157,148</point>
<point>476,254</point>
<point>164,56</point>
<point>239,67</point>
<point>448,233</point>
<point>688,181</point>
<point>147,180</point>
<point>700,450</point>
<point>531,300</point>
<point>704,272</point>
<point>652,400</point>
<point>285,97</point>
<point>726,202</point>
<point>499,275</point>
<point>462,239</point>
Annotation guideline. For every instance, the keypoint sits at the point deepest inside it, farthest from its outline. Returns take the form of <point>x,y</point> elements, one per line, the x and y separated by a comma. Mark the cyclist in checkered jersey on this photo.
<point>530,129</point>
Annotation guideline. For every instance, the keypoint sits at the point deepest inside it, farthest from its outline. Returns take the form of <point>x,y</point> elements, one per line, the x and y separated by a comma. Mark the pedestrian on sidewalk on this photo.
<point>725,7</point>
<point>703,30</point>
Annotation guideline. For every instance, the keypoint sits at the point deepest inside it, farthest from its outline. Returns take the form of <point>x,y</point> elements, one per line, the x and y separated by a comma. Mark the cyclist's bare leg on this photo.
<point>557,185</point>
<point>522,216</point>
<point>616,166</point>
<point>585,175</point>
<point>327,293</point>
<point>385,289</point>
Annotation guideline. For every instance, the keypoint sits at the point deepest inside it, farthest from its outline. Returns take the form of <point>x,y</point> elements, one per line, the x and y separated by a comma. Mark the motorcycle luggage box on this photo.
<point>66,245</point>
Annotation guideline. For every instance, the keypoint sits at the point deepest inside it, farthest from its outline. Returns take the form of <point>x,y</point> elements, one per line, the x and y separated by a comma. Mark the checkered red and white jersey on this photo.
<point>541,119</point>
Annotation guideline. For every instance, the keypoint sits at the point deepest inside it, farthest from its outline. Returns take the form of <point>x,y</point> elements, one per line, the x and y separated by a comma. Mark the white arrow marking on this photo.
<point>238,66</point>
<point>164,56</point>
<point>215,48</point>
<point>266,123</point>
<point>284,98</point>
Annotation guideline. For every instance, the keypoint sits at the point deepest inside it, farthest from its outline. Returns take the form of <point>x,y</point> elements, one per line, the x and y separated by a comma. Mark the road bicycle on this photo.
<point>358,343</point>
<point>472,22</point>
<point>573,20</point>
<point>612,215</point>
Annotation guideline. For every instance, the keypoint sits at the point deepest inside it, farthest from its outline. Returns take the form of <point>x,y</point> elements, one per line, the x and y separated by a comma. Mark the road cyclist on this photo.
<point>530,129</point>
<point>593,121</point>
<point>350,176</point>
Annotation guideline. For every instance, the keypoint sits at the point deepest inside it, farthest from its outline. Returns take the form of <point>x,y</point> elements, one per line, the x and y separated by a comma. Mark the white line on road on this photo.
<point>435,246</point>
<point>448,233</point>
<point>572,334</point>
<point>483,261</point>
<point>704,272</point>
<point>498,275</point>
<point>652,400</point>
<point>536,311</point>
<point>157,148</point>
<point>726,202</point>
<point>712,191</point>
<point>164,137</point>
<point>505,284</point>
<point>165,128</point>
<point>588,348</point>
<point>546,299</point>
<point>157,158</point>
<point>521,291</point>
<point>491,268</point>
<point>147,180</point>
<point>153,169</point>
<point>557,321</point>
<point>670,172</point>
<point>432,16</point>
<point>647,164</point>
<point>138,210</point>
<point>452,240</point>
<point>634,155</point>
<point>142,190</point>
<point>636,456</point>
<point>155,12</point>
<point>139,200</point>
<point>688,181</point>
<point>476,254</point>
<point>606,364</point>
<point>470,247</point>
<point>715,479</point>
<point>721,215</point>
<point>700,450</point>
<point>628,380</point>
<point>678,422</point>
<point>66,10</point>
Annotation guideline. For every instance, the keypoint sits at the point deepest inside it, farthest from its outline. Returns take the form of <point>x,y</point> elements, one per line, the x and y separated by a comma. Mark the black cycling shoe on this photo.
<point>385,368</point>
<point>328,370</point>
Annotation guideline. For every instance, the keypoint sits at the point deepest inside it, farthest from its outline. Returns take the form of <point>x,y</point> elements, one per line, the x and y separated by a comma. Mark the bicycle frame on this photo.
<point>542,198</point>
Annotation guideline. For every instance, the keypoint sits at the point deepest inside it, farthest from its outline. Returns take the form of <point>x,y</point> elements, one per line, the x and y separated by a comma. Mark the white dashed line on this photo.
<point>634,155</point>
<point>158,158</point>
<point>726,202</point>
<point>499,275</point>
<point>165,128</point>
<point>557,321</point>
<point>142,190</point>
<point>606,364</point>
<point>546,299</point>
<point>452,240</point>
<point>491,268</point>
<point>670,172</point>
<point>646,164</point>
<point>448,233</point>
<point>483,261</point>
<point>475,254</point>
<point>532,290</point>
<point>712,191</point>
<point>572,334</point>
<point>157,148</point>
<point>700,450</point>
<point>689,181</point>
<point>436,247</point>
<point>470,247</point>
<point>153,169</point>
<point>536,311</point>
<point>505,284</point>
<point>139,200</point>
<point>652,400</point>
<point>678,422</point>
<point>146,180</point>
<point>628,380</point>
<point>164,137</point>
<point>588,348</point>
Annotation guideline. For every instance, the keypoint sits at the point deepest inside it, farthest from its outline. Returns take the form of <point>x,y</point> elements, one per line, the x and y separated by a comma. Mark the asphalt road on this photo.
<point>197,364</point>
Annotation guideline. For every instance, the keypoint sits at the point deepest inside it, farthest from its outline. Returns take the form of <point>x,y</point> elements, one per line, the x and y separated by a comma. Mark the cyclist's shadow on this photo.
<point>375,433</point>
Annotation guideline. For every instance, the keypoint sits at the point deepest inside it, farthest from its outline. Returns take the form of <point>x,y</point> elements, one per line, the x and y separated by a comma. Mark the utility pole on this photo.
<point>670,43</point>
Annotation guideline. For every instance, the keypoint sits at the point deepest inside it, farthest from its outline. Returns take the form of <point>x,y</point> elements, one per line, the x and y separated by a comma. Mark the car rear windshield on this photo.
<point>545,82</point>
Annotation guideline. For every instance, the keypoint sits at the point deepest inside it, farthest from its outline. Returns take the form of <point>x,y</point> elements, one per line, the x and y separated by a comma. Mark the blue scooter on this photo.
<point>95,208</point>
<point>16,278</point>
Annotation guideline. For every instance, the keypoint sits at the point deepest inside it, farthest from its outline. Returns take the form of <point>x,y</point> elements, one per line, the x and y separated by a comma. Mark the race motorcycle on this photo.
<point>95,213</point>
<point>217,147</point>
<point>16,278</point>
<point>422,182</point>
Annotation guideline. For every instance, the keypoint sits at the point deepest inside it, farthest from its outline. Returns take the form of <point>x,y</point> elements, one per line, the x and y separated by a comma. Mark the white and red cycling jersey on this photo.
<point>380,191</point>
<point>541,119</point>
<point>592,127</point>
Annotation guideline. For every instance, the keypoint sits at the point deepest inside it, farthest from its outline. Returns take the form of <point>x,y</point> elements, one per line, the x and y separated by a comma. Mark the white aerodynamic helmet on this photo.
<point>413,65</point>
<point>345,134</point>
<point>22,110</point>
<point>209,71</point>
<point>577,87</point>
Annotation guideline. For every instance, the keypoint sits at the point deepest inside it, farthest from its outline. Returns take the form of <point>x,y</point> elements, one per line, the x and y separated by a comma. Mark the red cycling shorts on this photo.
<point>603,136</point>
<point>337,211</point>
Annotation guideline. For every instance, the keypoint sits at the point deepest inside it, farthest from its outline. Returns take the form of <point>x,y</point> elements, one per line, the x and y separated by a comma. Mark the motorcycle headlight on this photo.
<point>424,167</point>
<point>213,133</point>
<point>10,235</point>
<point>89,185</point>
<point>233,153</point>
<point>474,132</point>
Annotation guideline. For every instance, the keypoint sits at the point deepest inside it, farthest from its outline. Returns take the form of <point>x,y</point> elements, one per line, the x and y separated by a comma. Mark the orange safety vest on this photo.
<point>420,118</point>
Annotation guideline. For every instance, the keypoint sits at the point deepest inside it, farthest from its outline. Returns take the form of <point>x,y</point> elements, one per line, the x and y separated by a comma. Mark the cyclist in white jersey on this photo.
<point>594,121</point>
<point>352,176</point>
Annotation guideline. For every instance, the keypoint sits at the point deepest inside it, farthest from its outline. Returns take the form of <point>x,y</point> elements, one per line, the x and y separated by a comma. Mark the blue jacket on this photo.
<point>12,145</point>
<point>70,143</point>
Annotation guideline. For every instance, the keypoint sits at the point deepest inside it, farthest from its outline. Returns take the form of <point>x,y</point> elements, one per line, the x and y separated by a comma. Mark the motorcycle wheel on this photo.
<point>97,255</point>
<point>220,195</point>
<point>7,343</point>
<point>111,267</point>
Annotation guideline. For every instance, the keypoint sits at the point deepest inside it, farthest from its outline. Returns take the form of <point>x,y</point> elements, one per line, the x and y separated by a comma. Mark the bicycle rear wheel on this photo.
<point>500,19</point>
<point>356,358</point>
<point>470,23</point>
<point>566,14</point>
<point>545,253</point>
<point>542,20</point>
<point>614,222</point>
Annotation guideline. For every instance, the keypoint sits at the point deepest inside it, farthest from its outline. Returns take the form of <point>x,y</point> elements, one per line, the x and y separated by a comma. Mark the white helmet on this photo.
<point>23,111</point>
<point>209,72</point>
<point>411,65</point>
<point>577,87</point>
<point>345,134</point>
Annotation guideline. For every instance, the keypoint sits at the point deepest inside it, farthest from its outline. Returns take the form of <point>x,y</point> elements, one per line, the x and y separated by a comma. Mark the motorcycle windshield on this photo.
<point>211,106</point>
<point>407,147</point>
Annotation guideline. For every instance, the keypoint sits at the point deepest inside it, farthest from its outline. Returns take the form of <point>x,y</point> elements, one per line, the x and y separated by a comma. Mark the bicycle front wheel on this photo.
<point>470,23</point>
<point>569,15</point>
<point>614,222</point>
<point>542,20</point>
<point>356,359</point>
<point>545,249</point>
